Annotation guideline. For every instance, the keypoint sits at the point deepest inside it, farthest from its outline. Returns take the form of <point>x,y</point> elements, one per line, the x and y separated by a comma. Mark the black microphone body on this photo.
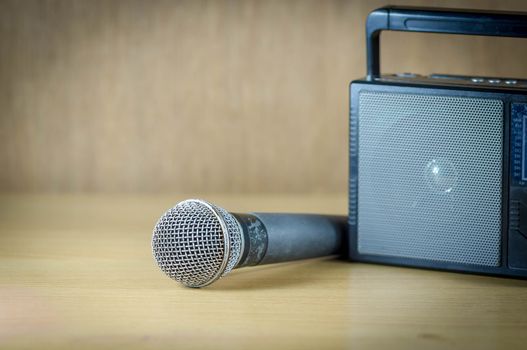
<point>279,237</point>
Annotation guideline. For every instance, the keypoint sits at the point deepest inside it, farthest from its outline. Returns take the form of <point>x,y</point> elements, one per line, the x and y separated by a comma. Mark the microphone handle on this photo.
<point>272,237</point>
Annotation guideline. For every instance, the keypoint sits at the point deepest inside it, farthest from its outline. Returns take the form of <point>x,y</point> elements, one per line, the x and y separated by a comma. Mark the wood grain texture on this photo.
<point>182,96</point>
<point>77,272</point>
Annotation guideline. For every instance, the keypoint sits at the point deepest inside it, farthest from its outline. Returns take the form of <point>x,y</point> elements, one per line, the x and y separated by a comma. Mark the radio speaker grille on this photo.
<point>430,177</point>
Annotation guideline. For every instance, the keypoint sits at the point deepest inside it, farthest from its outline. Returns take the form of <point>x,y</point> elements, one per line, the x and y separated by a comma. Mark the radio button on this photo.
<point>494,81</point>
<point>407,75</point>
<point>511,82</point>
<point>477,80</point>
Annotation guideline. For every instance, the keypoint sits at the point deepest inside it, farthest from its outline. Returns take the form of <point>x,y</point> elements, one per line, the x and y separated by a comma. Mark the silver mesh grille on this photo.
<point>196,242</point>
<point>430,177</point>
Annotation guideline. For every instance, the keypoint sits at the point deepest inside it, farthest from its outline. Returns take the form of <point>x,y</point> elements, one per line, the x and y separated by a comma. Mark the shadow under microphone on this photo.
<point>196,242</point>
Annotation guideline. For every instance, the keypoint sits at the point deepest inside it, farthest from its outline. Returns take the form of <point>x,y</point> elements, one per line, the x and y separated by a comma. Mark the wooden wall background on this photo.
<point>200,96</point>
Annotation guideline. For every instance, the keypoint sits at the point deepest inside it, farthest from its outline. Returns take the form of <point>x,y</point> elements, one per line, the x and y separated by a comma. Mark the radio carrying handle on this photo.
<point>432,20</point>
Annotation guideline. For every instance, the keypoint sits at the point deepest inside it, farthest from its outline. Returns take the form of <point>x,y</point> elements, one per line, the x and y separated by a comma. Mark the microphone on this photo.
<point>196,242</point>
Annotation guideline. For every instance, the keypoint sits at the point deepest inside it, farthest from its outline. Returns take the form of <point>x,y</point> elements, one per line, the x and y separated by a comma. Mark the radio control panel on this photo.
<point>492,81</point>
<point>517,257</point>
<point>451,79</point>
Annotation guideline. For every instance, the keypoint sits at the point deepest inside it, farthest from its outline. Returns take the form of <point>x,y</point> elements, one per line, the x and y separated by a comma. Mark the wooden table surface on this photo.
<point>76,272</point>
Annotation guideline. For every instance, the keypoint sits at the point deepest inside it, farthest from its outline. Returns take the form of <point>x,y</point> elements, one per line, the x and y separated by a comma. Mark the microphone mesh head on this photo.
<point>196,243</point>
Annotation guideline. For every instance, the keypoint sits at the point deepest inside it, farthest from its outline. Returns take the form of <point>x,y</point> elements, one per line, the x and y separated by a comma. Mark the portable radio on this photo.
<point>438,164</point>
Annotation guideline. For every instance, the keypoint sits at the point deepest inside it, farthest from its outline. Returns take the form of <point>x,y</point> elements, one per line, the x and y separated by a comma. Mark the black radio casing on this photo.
<point>511,260</point>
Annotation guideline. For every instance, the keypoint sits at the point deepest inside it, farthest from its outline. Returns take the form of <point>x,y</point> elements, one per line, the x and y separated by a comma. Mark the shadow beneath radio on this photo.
<point>477,280</point>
